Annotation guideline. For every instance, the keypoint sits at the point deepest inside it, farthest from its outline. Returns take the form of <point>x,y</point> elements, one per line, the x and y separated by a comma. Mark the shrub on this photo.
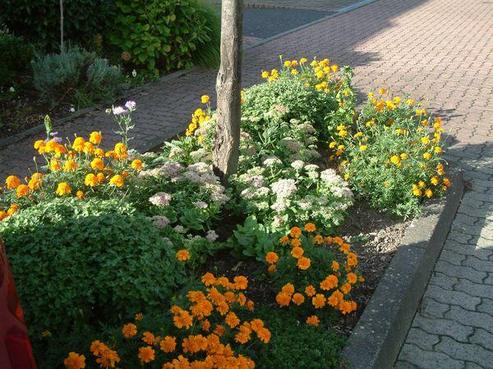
<point>75,75</point>
<point>161,36</point>
<point>392,154</point>
<point>79,262</point>
<point>15,58</point>
<point>39,20</point>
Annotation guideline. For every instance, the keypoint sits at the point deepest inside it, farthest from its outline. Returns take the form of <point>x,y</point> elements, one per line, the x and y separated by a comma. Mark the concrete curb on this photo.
<point>59,122</point>
<point>377,338</point>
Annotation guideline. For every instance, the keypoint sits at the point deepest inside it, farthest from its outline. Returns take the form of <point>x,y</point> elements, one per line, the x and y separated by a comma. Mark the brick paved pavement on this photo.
<point>439,49</point>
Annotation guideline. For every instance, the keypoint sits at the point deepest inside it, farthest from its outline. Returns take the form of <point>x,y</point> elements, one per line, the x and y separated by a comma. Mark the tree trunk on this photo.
<point>228,88</point>
<point>62,46</point>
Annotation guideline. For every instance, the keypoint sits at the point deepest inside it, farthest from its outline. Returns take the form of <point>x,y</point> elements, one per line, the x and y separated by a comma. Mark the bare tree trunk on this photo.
<point>62,46</point>
<point>228,88</point>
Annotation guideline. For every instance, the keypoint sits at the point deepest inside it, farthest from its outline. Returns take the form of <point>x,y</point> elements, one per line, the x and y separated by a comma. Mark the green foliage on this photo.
<point>39,20</point>
<point>253,239</point>
<point>79,262</point>
<point>15,58</point>
<point>392,155</point>
<point>75,75</point>
<point>297,345</point>
<point>162,36</point>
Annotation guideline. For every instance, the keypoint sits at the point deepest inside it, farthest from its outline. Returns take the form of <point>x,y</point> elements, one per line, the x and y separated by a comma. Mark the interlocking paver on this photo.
<point>441,50</point>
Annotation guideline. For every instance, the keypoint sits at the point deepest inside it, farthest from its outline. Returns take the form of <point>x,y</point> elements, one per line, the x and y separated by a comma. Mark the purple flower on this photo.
<point>130,105</point>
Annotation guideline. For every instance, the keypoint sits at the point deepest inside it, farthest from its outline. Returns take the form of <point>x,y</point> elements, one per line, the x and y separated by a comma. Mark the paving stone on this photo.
<point>470,365</point>
<point>471,318</point>
<point>472,250</point>
<point>452,257</point>
<point>404,365</point>
<point>486,306</point>
<point>482,338</point>
<point>460,271</point>
<point>442,280</point>
<point>466,352</point>
<point>422,339</point>
<point>453,297</point>
<point>428,359</point>
<point>433,309</point>
<point>442,327</point>
<point>474,289</point>
<point>482,265</point>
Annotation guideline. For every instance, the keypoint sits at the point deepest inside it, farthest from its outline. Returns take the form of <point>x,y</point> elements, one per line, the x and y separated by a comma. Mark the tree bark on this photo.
<point>228,88</point>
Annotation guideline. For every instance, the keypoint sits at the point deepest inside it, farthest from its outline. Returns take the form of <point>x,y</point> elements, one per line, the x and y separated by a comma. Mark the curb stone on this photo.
<point>381,330</point>
<point>59,122</point>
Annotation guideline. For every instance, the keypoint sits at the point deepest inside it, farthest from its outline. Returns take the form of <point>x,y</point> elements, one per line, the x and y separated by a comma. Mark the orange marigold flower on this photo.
<point>146,354</point>
<point>283,299</point>
<point>241,282</point>
<point>303,263</point>
<point>137,164</point>
<point>346,288</point>
<point>244,334</point>
<point>352,259</point>
<point>182,319</point>
<point>182,255</point>
<point>74,361</point>
<point>346,307</point>
<point>318,240</point>
<point>297,252</point>
<point>310,227</point>
<point>219,330</point>
<point>205,325</point>
<point>70,165</point>
<point>117,181</point>
<point>284,240</point>
<point>139,316</point>
<point>318,301</point>
<point>256,324</point>
<point>22,190</point>
<point>208,279</point>
<point>91,180</point>
<point>129,330</point>
<point>78,144</point>
<point>335,298</point>
<point>95,137</point>
<point>148,338</point>
<point>63,189</point>
<point>310,291</point>
<point>14,208</point>
<point>298,298</point>
<point>295,242</point>
<point>288,289</point>
<point>12,182</point>
<point>232,320</point>
<point>335,266</point>
<point>97,164</point>
<point>329,282</point>
<point>295,232</point>
<point>250,305</point>
<point>271,257</point>
<point>313,321</point>
<point>352,278</point>
<point>263,335</point>
<point>345,248</point>
<point>3,215</point>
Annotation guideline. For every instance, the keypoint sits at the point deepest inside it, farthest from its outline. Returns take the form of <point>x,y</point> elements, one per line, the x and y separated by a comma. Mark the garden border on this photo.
<point>40,128</point>
<point>381,330</point>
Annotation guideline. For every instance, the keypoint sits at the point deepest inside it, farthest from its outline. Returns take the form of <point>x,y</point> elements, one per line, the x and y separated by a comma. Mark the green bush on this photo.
<point>15,58</point>
<point>79,262</point>
<point>39,20</point>
<point>161,36</point>
<point>77,76</point>
<point>392,154</point>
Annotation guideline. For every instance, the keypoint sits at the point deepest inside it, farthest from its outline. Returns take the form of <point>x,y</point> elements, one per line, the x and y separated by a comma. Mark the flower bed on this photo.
<point>125,259</point>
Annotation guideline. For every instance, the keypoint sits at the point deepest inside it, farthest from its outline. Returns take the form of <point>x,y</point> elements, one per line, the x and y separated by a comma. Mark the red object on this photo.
<point>15,347</point>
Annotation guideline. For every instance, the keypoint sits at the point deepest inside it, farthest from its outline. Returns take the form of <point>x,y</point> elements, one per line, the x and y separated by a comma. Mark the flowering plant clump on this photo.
<point>392,154</point>
<point>314,272</point>
<point>204,331</point>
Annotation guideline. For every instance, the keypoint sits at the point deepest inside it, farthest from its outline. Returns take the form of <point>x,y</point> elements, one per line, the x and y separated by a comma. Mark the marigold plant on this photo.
<point>206,331</point>
<point>314,272</point>
<point>392,154</point>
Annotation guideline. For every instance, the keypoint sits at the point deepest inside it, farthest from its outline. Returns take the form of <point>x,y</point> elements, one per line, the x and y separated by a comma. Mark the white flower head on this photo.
<point>298,164</point>
<point>119,110</point>
<point>131,105</point>
<point>271,161</point>
<point>134,73</point>
<point>284,187</point>
<point>160,221</point>
<point>211,236</point>
<point>200,204</point>
<point>160,199</point>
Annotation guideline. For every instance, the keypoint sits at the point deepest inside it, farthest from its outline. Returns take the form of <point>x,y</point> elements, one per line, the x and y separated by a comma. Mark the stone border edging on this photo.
<point>381,330</point>
<point>40,128</point>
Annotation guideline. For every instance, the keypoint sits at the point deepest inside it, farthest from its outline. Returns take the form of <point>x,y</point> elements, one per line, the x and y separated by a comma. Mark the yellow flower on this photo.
<point>363,147</point>
<point>79,194</point>
<point>97,164</point>
<point>78,144</point>
<point>396,160</point>
<point>303,60</point>
<point>120,150</point>
<point>287,63</point>
<point>404,156</point>
<point>182,255</point>
<point>54,165</point>
<point>265,74</point>
<point>137,164</point>
<point>117,181</point>
<point>12,182</point>
<point>294,72</point>
<point>204,99</point>
<point>382,91</point>
<point>91,180</point>
<point>63,188</point>
<point>428,193</point>
<point>14,208</point>
<point>69,166</point>
<point>334,68</point>
<point>425,140</point>
<point>427,156</point>
<point>437,150</point>
<point>95,137</point>
<point>22,190</point>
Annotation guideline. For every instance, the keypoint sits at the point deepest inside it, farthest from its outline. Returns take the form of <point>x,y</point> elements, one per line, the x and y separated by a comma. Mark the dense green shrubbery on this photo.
<point>76,75</point>
<point>14,59</point>
<point>161,36</point>
<point>39,20</point>
<point>78,262</point>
